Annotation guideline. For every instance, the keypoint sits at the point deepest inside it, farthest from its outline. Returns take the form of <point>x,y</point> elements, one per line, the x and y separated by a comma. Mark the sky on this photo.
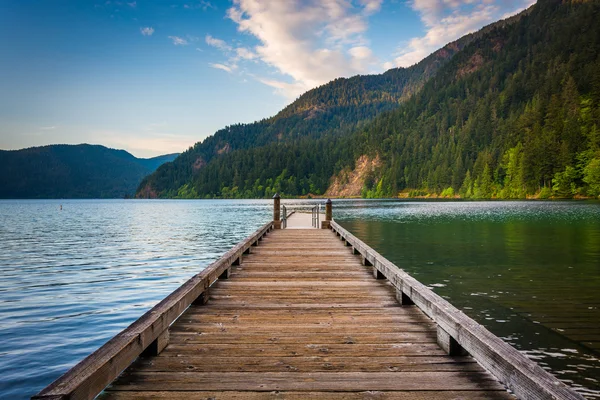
<point>154,77</point>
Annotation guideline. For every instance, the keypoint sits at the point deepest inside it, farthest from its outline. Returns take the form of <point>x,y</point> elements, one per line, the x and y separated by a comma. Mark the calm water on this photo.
<point>528,271</point>
<point>72,279</point>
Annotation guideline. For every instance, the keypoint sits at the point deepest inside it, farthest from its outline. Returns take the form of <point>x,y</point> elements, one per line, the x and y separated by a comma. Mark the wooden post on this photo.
<point>277,211</point>
<point>227,273</point>
<point>203,298</point>
<point>157,345</point>
<point>403,299</point>
<point>449,344</point>
<point>377,274</point>
<point>328,214</point>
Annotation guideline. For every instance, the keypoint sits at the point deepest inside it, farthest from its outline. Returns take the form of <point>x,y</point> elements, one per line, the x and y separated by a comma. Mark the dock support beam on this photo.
<point>276,211</point>
<point>328,215</point>
<point>157,345</point>
<point>377,274</point>
<point>227,273</point>
<point>449,344</point>
<point>203,298</point>
<point>403,299</point>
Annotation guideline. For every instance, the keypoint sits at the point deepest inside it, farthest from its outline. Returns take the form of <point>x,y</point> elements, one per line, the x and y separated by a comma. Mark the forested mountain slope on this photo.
<point>513,113</point>
<point>67,171</point>
<point>334,109</point>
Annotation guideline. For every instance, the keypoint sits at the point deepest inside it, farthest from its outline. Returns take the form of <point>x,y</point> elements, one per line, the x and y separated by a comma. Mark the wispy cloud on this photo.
<point>234,55</point>
<point>202,4</point>
<point>245,54</point>
<point>218,43</point>
<point>133,4</point>
<point>147,31</point>
<point>310,42</point>
<point>228,68</point>
<point>449,20</point>
<point>178,41</point>
<point>47,128</point>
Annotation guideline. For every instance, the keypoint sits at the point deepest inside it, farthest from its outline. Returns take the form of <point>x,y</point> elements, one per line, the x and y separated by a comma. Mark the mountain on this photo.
<point>335,109</point>
<point>509,112</point>
<point>73,171</point>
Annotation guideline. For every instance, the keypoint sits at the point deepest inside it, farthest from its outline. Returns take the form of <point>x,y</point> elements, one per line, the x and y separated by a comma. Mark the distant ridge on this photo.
<point>73,171</point>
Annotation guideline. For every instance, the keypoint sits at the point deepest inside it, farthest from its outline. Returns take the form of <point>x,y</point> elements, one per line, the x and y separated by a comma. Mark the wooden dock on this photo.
<point>299,313</point>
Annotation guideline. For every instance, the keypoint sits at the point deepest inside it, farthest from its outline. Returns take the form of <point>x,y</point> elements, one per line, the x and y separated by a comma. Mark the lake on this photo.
<point>72,279</point>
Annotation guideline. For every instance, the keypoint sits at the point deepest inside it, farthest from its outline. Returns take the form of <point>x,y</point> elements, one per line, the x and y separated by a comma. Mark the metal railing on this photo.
<point>284,218</point>
<point>315,216</point>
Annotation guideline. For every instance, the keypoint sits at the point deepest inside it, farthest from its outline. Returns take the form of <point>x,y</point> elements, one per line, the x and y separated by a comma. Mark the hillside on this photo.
<point>73,171</point>
<point>512,113</point>
<point>334,109</point>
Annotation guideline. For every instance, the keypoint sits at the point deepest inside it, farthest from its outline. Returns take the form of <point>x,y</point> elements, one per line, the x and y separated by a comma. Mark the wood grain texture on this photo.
<point>301,318</point>
<point>278,395</point>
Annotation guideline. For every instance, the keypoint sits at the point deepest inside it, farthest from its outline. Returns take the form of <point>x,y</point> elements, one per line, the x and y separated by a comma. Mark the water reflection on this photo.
<point>529,271</point>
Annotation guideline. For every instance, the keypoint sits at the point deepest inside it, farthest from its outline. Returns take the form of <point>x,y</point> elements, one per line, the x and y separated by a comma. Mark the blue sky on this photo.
<point>154,77</point>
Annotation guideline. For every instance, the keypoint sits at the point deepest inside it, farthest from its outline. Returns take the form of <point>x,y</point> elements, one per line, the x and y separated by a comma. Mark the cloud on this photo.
<point>233,55</point>
<point>178,41</point>
<point>449,20</point>
<point>310,42</point>
<point>245,53</point>
<point>371,6</point>
<point>228,68</point>
<point>47,128</point>
<point>218,43</point>
<point>133,4</point>
<point>147,31</point>
<point>204,5</point>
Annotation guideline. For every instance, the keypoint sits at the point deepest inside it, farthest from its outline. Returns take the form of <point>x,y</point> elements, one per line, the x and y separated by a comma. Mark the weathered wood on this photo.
<point>300,304</point>
<point>202,298</point>
<point>309,364</point>
<point>403,299</point>
<point>277,211</point>
<point>86,379</point>
<point>449,344</point>
<point>227,273</point>
<point>290,395</point>
<point>293,337</point>
<point>377,274</point>
<point>326,224</point>
<point>521,375</point>
<point>326,381</point>
<point>157,345</point>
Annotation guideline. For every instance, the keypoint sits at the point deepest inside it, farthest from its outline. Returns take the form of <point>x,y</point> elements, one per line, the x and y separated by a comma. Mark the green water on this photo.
<point>528,271</point>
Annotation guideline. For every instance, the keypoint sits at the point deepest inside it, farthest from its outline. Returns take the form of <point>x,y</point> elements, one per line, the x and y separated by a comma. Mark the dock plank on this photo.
<point>301,318</point>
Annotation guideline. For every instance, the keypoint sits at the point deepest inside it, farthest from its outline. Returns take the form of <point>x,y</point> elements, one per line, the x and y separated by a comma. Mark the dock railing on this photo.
<point>147,336</point>
<point>284,217</point>
<point>315,216</point>
<point>458,334</point>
